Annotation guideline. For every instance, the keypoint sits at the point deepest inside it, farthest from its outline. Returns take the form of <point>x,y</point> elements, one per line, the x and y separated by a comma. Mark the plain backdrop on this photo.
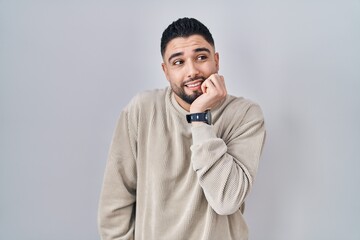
<point>67,68</point>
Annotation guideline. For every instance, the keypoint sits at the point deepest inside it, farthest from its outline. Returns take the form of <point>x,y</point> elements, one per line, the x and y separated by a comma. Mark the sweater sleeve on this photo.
<point>226,170</point>
<point>116,214</point>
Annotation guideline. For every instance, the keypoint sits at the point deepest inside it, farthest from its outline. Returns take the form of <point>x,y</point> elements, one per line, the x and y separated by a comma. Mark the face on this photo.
<point>187,63</point>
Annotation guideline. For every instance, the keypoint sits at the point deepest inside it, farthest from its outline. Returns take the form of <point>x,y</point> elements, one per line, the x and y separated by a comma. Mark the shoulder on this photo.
<point>147,99</point>
<point>141,107</point>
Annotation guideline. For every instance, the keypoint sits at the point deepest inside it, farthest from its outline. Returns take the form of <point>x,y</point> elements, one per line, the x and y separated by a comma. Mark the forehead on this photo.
<point>181,44</point>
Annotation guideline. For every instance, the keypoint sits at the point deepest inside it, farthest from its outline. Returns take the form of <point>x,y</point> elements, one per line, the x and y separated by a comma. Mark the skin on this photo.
<point>191,66</point>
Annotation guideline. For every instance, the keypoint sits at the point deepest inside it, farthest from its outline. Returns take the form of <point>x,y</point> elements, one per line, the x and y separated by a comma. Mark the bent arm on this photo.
<point>116,213</point>
<point>226,171</point>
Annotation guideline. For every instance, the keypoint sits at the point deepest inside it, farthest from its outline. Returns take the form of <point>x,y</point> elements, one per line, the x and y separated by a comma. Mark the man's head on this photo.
<point>185,27</point>
<point>189,58</point>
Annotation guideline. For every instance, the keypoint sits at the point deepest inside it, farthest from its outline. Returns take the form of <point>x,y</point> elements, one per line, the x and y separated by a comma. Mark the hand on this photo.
<point>214,91</point>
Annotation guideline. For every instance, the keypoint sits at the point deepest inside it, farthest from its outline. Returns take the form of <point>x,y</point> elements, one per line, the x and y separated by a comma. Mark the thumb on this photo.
<point>203,87</point>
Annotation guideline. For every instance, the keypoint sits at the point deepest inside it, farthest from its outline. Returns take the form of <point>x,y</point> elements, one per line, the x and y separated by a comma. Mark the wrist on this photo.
<point>196,110</point>
<point>194,124</point>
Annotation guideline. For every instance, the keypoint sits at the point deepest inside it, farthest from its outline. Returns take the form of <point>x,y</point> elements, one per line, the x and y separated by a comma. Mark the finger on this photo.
<point>207,85</point>
<point>218,80</point>
<point>219,83</point>
<point>203,87</point>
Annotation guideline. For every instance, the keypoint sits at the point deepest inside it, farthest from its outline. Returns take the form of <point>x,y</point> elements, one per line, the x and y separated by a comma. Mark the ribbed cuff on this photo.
<point>201,133</point>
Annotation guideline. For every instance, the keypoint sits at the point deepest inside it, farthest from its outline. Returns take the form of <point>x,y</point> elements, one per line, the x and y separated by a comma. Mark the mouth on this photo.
<point>194,85</point>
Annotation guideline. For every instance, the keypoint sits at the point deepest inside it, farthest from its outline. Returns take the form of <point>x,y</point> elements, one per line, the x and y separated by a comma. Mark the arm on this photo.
<point>116,214</point>
<point>226,170</point>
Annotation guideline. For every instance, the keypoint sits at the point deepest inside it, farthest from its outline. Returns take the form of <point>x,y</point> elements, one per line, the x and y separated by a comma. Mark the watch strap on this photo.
<point>199,117</point>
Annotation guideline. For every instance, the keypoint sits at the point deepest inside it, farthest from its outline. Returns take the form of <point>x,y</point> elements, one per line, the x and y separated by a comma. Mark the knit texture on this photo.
<point>165,179</point>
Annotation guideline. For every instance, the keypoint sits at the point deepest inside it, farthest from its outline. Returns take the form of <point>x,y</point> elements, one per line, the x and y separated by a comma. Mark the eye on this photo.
<point>178,62</point>
<point>202,57</point>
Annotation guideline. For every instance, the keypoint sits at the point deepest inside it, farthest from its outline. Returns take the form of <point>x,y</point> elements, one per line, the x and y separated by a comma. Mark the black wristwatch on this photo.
<point>199,117</point>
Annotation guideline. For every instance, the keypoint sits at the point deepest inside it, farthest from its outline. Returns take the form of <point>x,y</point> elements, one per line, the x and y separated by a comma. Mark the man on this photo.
<point>184,158</point>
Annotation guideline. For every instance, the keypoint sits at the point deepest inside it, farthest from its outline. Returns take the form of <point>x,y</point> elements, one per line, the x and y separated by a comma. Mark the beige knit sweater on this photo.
<point>165,179</point>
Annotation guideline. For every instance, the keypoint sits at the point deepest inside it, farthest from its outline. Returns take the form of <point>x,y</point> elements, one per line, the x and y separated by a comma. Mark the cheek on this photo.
<point>214,66</point>
<point>209,68</point>
<point>175,77</point>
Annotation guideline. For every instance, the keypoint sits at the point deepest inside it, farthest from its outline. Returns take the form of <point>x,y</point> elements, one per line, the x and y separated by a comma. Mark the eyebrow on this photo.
<point>202,49</point>
<point>175,55</point>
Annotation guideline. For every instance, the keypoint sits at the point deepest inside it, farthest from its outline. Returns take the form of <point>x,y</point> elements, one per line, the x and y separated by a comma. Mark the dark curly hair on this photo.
<point>184,27</point>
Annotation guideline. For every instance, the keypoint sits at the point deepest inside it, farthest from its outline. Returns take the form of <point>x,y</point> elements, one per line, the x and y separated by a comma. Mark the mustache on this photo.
<point>194,79</point>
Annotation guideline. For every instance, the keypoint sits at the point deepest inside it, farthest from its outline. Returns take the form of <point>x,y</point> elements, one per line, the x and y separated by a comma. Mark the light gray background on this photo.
<point>67,68</point>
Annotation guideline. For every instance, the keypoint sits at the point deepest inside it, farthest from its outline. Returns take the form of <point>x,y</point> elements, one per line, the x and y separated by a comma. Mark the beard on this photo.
<point>186,97</point>
<point>180,91</point>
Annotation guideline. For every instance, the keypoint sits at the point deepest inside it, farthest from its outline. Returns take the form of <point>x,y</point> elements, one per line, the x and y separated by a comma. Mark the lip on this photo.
<point>194,85</point>
<point>194,82</point>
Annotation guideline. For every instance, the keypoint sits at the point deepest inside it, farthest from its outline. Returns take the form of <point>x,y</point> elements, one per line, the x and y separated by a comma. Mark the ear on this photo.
<point>165,70</point>
<point>216,57</point>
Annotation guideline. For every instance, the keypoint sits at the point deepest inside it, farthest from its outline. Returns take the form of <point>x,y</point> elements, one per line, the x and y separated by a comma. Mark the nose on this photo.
<point>193,70</point>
